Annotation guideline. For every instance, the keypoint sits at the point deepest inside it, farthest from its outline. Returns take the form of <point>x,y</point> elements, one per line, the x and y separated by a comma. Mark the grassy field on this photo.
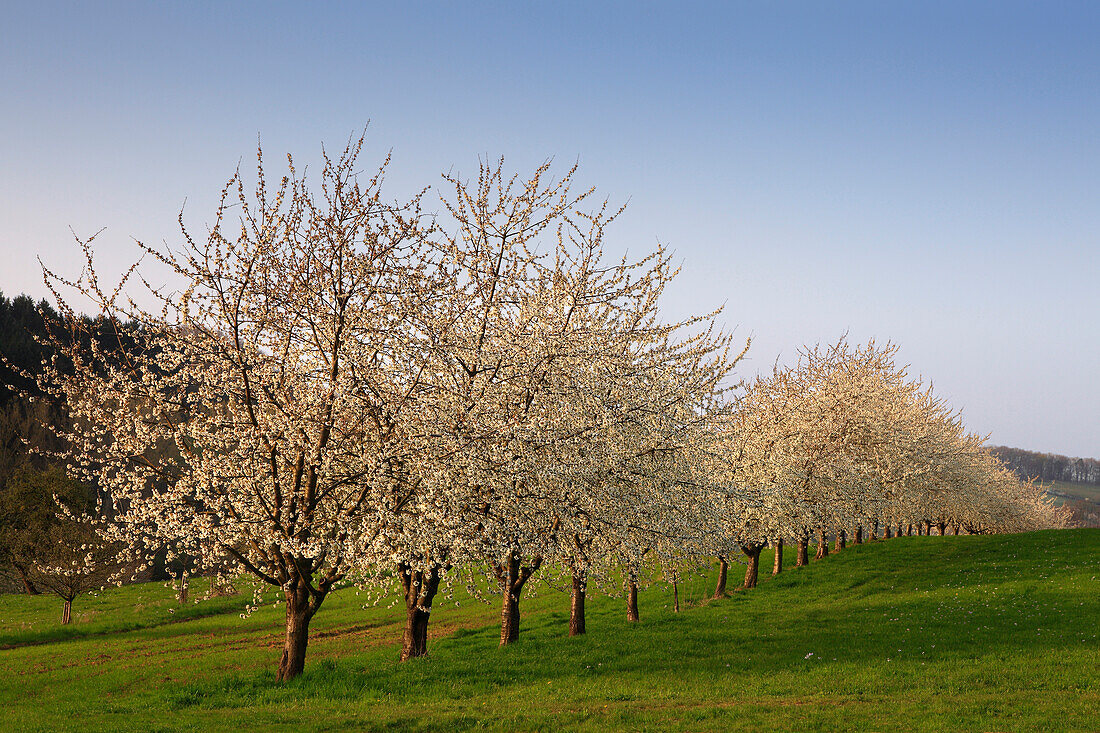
<point>1089,492</point>
<point>918,633</point>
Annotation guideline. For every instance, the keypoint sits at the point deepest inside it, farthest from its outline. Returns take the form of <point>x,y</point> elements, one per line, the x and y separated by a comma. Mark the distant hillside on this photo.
<point>1049,466</point>
<point>1073,483</point>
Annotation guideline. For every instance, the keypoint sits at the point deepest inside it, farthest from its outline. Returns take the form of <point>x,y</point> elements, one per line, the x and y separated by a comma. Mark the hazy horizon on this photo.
<point>925,175</point>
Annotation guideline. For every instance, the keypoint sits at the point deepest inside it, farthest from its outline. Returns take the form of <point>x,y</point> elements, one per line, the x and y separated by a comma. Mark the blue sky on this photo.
<point>926,174</point>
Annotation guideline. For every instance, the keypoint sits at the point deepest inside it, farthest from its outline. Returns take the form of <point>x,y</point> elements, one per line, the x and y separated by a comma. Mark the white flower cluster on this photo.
<point>844,439</point>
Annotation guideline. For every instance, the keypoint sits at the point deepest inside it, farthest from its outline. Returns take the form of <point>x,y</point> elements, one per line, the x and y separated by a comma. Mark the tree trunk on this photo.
<point>752,552</point>
<point>632,599</point>
<point>67,611</point>
<point>576,607</point>
<point>857,534</point>
<point>942,527</point>
<point>909,530</point>
<point>414,641</point>
<point>28,585</point>
<point>298,616</point>
<point>675,597</point>
<point>723,569</point>
<point>822,545</point>
<point>777,565</point>
<point>955,529</point>
<point>509,619</point>
<point>841,540</point>
<point>802,556</point>
<point>874,531</point>
<point>513,576</point>
<point>887,532</point>
<point>420,590</point>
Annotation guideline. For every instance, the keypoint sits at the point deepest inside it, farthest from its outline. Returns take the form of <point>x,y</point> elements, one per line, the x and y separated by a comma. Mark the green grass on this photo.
<point>917,633</point>
<point>35,619</point>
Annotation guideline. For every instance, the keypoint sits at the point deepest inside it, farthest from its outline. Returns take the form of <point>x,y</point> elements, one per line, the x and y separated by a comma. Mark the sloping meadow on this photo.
<point>914,633</point>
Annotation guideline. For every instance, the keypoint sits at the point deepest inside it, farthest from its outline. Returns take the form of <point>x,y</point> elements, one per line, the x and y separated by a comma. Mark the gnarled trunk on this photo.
<point>512,577</point>
<point>723,570</point>
<point>942,526</point>
<point>777,564</point>
<point>752,552</point>
<point>509,619</point>
<point>955,530</point>
<point>874,531</point>
<point>840,540</point>
<point>414,641</point>
<point>576,606</point>
<point>802,555</point>
<point>420,589</point>
<point>909,530</point>
<point>298,615</point>
<point>888,532</point>
<point>822,545</point>
<point>857,534</point>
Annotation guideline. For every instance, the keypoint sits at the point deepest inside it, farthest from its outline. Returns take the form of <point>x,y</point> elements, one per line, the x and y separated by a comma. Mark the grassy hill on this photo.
<point>918,633</point>
<point>1083,500</point>
<point>1088,492</point>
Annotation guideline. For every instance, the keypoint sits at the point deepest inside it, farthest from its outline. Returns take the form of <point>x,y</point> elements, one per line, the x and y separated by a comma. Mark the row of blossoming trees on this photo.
<point>343,390</point>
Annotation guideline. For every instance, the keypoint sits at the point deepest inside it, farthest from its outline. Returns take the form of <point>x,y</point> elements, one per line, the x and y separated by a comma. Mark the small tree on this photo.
<point>76,559</point>
<point>52,532</point>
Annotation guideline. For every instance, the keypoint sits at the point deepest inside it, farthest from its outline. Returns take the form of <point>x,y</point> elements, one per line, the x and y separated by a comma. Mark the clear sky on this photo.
<point>926,174</point>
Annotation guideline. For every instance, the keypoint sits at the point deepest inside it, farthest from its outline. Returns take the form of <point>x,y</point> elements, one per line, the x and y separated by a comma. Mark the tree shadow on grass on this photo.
<point>904,615</point>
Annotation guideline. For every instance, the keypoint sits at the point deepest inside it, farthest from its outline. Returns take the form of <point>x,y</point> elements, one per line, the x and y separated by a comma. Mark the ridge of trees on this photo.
<point>1030,465</point>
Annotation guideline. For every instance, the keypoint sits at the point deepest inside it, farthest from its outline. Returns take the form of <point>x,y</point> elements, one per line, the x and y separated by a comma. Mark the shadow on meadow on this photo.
<point>910,614</point>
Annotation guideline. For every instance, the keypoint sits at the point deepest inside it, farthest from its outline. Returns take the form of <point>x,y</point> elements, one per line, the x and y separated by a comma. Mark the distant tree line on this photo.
<point>1048,466</point>
<point>46,541</point>
<point>23,407</point>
